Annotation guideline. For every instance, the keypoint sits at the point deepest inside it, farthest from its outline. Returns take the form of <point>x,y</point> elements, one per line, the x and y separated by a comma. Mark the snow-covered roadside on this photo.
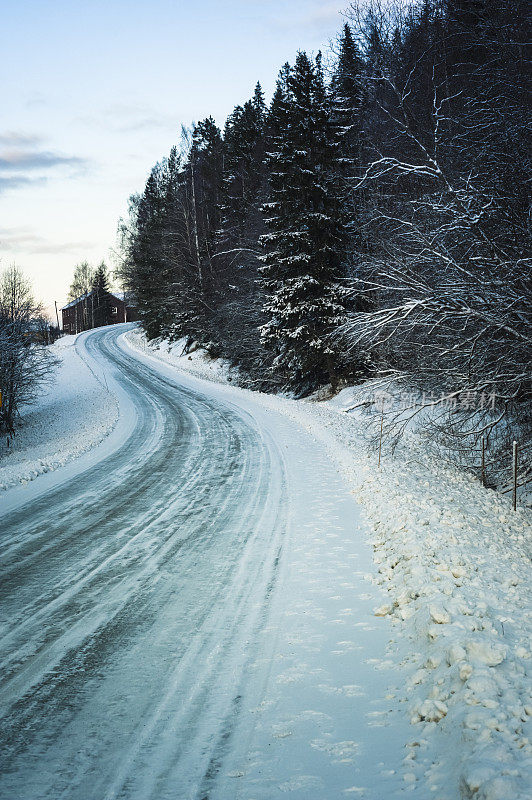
<point>74,413</point>
<point>197,362</point>
<point>455,562</point>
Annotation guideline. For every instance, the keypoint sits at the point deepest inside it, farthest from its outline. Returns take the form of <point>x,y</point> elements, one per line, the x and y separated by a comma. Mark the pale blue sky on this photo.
<point>95,92</point>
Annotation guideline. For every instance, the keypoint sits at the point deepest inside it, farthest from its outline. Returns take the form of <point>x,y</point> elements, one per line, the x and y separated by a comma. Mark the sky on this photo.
<point>95,92</point>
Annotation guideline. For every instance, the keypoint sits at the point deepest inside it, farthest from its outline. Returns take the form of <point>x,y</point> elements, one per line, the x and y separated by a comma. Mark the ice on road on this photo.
<point>187,616</point>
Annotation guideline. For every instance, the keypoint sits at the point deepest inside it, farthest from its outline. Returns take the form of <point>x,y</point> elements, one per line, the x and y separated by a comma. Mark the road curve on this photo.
<point>140,601</point>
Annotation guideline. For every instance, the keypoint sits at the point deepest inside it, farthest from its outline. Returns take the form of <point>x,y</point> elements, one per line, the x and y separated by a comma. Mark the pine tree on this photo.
<point>306,238</point>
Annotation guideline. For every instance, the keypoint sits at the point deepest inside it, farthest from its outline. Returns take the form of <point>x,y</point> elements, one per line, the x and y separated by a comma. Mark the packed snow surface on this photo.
<point>191,614</point>
<point>227,598</point>
<point>453,561</point>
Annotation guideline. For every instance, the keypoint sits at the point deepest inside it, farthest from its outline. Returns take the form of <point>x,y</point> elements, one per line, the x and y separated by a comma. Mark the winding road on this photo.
<point>186,617</point>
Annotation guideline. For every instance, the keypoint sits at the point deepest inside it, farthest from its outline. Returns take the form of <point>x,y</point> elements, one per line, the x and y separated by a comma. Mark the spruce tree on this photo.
<point>147,254</point>
<point>203,177</point>
<point>306,238</point>
<point>347,99</point>
<point>100,300</point>
<point>243,181</point>
<point>258,101</point>
<point>101,278</point>
<point>176,283</point>
<point>238,306</point>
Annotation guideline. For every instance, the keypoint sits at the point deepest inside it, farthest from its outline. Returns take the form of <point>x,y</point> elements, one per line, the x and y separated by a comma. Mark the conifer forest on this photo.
<point>370,222</point>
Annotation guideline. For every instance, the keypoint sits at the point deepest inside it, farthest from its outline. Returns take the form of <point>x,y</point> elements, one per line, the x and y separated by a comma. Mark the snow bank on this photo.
<point>74,413</point>
<point>198,362</point>
<point>454,560</point>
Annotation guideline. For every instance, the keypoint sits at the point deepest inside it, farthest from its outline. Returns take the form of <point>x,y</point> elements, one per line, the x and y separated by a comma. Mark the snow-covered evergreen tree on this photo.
<point>100,300</point>
<point>101,278</point>
<point>306,237</point>
<point>203,182</point>
<point>243,182</point>
<point>237,311</point>
<point>347,98</point>
<point>148,267</point>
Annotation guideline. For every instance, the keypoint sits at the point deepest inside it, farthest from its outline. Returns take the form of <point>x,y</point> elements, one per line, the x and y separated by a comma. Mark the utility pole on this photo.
<point>56,314</point>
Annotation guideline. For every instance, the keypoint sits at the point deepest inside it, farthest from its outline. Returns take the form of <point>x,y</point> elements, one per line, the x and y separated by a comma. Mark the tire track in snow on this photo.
<point>63,656</point>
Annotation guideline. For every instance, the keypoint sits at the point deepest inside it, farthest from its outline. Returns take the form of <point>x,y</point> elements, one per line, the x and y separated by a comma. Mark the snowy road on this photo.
<point>187,617</point>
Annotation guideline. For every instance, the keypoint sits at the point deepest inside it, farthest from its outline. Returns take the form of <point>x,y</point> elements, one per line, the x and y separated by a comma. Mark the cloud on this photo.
<point>23,162</point>
<point>27,241</point>
<point>18,139</point>
<point>124,118</point>
<point>8,182</point>
<point>147,123</point>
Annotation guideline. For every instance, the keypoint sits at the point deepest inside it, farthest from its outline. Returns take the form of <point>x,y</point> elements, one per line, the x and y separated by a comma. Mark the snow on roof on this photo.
<point>116,295</point>
<point>77,300</point>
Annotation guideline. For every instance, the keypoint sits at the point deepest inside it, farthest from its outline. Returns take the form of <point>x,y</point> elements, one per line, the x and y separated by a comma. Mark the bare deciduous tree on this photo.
<point>447,269</point>
<point>81,286</point>
<point>25,362</point>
